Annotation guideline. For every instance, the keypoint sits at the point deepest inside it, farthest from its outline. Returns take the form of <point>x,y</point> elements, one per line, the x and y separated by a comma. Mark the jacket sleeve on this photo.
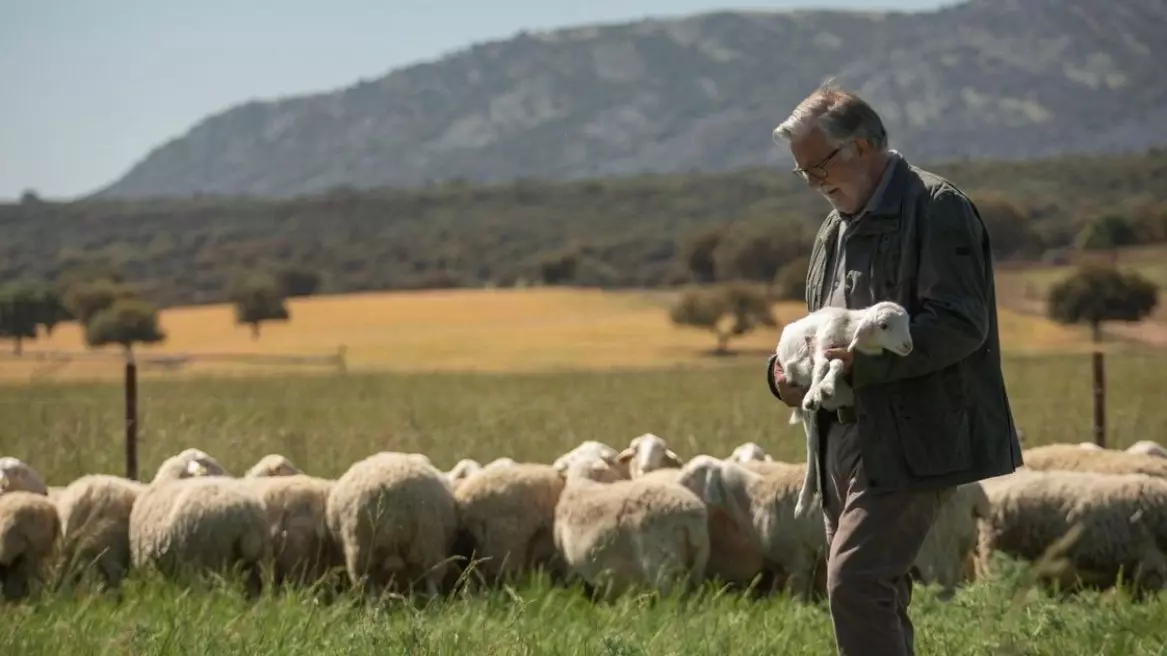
<point>770,377</point>
<point>952,290</point>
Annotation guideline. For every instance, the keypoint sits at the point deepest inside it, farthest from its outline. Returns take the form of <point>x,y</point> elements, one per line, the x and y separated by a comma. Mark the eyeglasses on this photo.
<point>819,171</point>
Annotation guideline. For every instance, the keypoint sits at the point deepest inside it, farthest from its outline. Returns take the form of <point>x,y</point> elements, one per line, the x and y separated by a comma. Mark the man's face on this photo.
<point>841,174</point>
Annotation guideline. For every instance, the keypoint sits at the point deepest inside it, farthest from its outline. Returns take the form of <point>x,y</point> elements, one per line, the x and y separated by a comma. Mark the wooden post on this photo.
<point>1099,400</point>
<point>131,390</point>
<point>342,359</point>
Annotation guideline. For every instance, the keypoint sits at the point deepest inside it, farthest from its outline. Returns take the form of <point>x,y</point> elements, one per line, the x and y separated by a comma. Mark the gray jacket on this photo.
<point>939,416</point>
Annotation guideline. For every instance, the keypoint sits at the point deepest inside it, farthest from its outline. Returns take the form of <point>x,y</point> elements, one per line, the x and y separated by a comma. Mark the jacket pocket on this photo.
<point>934,424</point>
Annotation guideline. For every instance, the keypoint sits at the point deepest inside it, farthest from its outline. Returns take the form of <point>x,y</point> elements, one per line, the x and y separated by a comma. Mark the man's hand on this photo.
<point>842,355</point>
<point>791,394</point>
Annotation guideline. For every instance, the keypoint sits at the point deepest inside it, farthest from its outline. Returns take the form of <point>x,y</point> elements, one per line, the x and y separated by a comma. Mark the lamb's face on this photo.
<point>891,328</point>
<point>647,453</point>
<point>16,476</point>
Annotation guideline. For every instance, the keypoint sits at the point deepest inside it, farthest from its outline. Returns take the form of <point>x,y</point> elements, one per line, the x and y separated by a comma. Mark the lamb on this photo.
<point>186,464</point>
<point>303,548</point>
<point>16,475</point>
<point>1123,519</point>
<point>1070,457</point>
<point>395,518</point>
<point>29,532</point>
<point>949,550</point>
<point>646,453</point>
<point>201,524</point>
<point>882,326</point>
<point>95,525</point>
<point>273,464</point>
<point>507,517</point>
<point>749,452</point>
<point>760,500</point>
<point>1148,448</point>
<point>615,534</point>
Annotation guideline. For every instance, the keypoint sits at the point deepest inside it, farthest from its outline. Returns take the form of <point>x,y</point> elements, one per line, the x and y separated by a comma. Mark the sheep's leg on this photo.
<point>810,479</point>
<point>813,399</point>
<point>830,379</point>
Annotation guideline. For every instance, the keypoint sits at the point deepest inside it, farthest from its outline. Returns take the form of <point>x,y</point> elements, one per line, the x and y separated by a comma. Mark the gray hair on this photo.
<point>841,115</point>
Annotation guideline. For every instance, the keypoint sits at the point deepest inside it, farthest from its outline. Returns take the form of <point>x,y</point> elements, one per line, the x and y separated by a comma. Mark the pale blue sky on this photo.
<point>87,88</point>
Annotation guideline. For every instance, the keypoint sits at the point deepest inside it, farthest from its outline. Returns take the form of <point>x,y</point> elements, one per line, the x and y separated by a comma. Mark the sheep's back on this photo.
<point>29,527</point>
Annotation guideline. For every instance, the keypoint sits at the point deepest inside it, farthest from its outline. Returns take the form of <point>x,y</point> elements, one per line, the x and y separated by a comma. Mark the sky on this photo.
<point>88,88</point>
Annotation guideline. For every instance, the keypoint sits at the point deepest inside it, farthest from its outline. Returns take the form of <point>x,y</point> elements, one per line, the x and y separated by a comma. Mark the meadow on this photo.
<point>612,368</point>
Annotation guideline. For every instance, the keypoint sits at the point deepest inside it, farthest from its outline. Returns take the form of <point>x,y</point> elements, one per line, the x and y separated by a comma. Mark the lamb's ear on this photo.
<point>672,459</point>
<point>714,487</point>
<point>195,468</point>
<point>625,456</point>
<point>863,332</point>
<point>3,481</point>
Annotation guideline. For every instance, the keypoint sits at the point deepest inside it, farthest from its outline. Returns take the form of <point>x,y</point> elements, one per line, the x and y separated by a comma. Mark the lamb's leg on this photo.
<point>813,399</point>
<point>827,385</point>
<point>810,480</point>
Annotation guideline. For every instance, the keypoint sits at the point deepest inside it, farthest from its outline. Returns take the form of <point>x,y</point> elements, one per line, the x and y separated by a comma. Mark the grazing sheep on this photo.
<point>749,452</point>
<point>95,525</point>
<point>18,476</point>
<point>951,544</point>
<point>200,524</point>
<point>303,548</point>
<point>760,499</point>
<point>506,518</point>
<point>273,464</point>
<point>646,453</point>
<point>395,519</point>
<point>615,533</point>
<point>1070,457</point>
<point>801,348</point>
<point>463,469</point>
<point>1123,518</point>
<point>589,450</point>
<point>29,530</point>
<point>188,463</point>
<point>1148,448</point>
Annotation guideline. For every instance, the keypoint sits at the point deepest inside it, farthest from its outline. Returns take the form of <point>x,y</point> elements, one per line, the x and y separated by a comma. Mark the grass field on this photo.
<point>471,330</point>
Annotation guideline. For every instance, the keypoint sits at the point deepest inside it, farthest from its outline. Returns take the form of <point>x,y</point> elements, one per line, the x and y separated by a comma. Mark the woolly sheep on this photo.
<point>761,501</point>
<point>395,519</point>
<point>1089,446</point>
<point>18,476</point>
<point>801,347</point>
<point>616,534</point>
<point>1070,457</point>
<point>273,464</point>
<point>303,549</point>
<point>506,519</point>
<point>749,452</point>
<point>1148,448</point>
<point>187,464</point>
<point>951,544</point>
<point>463,469</point>
<point>1123,518</point>
<point>29,530</point>
<point>95,525</point>
<point>586,450</point>
<point>500,462</point>
<point>646,453</point>
<point>201,524</point>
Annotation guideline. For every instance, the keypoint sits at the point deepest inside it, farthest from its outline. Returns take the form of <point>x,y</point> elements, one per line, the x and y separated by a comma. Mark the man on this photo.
<point>922,423</point>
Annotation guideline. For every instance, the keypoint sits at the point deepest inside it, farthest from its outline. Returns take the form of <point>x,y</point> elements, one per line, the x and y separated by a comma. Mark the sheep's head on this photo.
<point>500,462</point>
<point>588,467</point>
<point>593,449</point>
<point>885,326</point>
<point>750,452</point>
<point>647,453</point>
<point>18,476</point>
<point>702,475</point>
<point>273,464</point>
<point>1148,448</point>
<point>187,464</point>
<point>463,469</point>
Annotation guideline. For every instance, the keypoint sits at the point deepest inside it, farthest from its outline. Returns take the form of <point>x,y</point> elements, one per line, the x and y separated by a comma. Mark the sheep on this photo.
<point>204,524</point>
<point>500,462</point>
<point>951,544</point>
<point>463,469</point>
<point>587,449</point>
<point>506,517</point>
<point>18,476</point>
<point>1148,448</point>
<point>1123,520</point>
<point>646,453</point>
<point>1070,457</point>
<point>1089,446</point>
<point>615,534</point>
<point>749,452</point>
<point>882,326</point>
<point>187,464</point>
<point>95,525</point>
<point>303,549</point>
<point>29,532</point>
<point>760,499</point>
<point>273,464</point>
<point>395,519</point>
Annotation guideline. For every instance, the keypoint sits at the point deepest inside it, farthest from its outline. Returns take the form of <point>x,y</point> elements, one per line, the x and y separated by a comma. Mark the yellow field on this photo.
<point>472,330</point>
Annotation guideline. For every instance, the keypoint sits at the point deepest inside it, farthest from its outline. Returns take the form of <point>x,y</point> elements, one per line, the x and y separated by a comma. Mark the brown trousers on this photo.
<point>872,541</point>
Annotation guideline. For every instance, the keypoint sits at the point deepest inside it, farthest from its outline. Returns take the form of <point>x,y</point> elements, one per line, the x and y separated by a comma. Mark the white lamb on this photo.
<point>801,348</point>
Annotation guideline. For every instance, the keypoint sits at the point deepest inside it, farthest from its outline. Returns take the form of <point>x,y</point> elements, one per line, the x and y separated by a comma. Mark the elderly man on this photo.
<point>922,423</point>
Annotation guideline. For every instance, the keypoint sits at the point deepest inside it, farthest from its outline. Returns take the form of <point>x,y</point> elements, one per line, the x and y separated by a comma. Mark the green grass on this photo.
<point>326,423</point>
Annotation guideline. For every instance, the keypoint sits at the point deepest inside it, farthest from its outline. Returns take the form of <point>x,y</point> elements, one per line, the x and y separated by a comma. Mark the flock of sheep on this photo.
<point>638,518</point>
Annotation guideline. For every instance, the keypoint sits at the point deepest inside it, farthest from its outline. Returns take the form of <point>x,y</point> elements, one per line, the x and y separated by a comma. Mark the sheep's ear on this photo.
<point>195,468</point>
<point>3,481</point>
<point>862,333</point>
<point>714,487</point>
<point>672,459</point>
<point>767,458</point>
<point>560,466</point>
<point>625,456</point>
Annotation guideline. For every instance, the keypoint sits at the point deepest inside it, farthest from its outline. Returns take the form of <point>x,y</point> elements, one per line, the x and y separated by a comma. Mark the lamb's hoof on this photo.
<point>811,403</point>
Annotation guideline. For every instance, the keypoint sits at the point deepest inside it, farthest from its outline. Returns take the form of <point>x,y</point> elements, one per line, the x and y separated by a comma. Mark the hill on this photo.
<point>982,79</point>
<point>645,231</point>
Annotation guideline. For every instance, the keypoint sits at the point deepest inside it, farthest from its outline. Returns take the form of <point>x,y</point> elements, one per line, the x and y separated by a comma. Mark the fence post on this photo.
<point>1099,400</point>
<point>131,390</point>
<point>341,359</point>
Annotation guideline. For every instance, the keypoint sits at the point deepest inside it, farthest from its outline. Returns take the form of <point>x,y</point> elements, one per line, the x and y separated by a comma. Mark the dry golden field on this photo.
<point>465,330</point>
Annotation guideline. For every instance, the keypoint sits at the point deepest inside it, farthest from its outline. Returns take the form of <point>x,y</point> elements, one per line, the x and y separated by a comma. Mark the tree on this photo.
<point>296,281</point>
<point>697,254</point>
<point>51,310</point>
<point>756,252</point>
<point>790,281</point>
<point>1099,293</point>
<point>1105,233</point>
<point>728,310</point>
<point>1010,226</point>
<point>127,321</point>
<point>258,297</point>
<point>84,300</point>
<point>19,313</point>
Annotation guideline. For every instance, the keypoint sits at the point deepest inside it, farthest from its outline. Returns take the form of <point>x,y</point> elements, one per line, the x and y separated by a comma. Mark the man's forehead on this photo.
<point>809,146</point>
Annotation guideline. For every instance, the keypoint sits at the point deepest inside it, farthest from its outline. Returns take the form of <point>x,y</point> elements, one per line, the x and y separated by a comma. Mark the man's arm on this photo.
<point>953,320</point>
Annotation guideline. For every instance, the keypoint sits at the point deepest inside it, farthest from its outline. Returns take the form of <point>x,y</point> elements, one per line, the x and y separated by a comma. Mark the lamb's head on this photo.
<point>885,326</point>
<point>750,452</point>
<point>588,467</point>
<point>500,462</point>
<point>1148,448</point>
<point>647,453</point>
<point>18,476</point>
<point>703,475</point>
<point>464,468</point>
<point>189,463</point>
<point>273,464</point>
<point>592,449</point>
